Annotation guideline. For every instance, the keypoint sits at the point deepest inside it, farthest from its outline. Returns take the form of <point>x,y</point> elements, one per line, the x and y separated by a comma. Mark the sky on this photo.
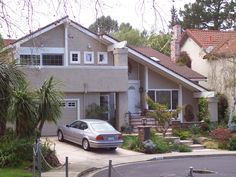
<point>23,16</point>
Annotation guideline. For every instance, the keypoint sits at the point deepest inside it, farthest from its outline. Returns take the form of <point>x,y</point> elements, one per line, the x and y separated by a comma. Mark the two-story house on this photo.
<point>212,53</point>
<point>95,68</point>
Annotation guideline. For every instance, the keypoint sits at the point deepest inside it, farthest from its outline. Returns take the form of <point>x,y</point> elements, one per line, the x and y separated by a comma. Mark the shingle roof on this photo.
<point>166,61</point>
<point>206,38</point>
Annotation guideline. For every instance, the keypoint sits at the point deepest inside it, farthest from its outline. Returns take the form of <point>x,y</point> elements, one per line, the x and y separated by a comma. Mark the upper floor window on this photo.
<point>88,57</point>
<point>74,57</point>
<point>30,59</point>
<point>52,59</point>
<point>102,58</point>
<point>166,97</point>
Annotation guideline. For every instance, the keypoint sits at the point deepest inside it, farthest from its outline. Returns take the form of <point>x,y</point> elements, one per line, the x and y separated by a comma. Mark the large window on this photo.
<point>166,97</point>
<point>53,59</point>
<point>30,59</point>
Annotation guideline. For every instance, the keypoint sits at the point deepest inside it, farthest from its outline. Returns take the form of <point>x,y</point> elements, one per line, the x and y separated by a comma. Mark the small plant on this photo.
<point>222,135</point>
<point>183,134</point>
<point>232,144</point>
<point>162,145</point>
<point>149,146</point>
<point>195,129</point>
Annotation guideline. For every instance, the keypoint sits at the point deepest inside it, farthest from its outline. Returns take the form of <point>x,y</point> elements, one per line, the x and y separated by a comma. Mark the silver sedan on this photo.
<point>91,133</point>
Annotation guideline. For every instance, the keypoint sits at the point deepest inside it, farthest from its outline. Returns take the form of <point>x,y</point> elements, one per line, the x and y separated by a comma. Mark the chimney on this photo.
<point>175,42</point>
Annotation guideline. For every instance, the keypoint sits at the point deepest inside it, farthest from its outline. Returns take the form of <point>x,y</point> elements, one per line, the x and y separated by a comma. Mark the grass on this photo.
<point>14,172</point>
<point>128,140</point>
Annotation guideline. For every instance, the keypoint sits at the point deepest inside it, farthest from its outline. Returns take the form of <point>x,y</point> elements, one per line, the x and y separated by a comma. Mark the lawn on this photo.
<point>14,172</point>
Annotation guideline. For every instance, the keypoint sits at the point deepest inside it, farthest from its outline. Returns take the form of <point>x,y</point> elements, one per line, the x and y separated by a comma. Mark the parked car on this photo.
<point>91,133</point>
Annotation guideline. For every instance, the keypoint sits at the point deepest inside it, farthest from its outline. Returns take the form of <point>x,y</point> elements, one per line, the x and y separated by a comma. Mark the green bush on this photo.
<point>183,134</point>
<point>232,144</point>
<point>195,129</point>
<point>211,144</point>
<point>181,147</point>
<point>14,151</point>
<point>162,145</point>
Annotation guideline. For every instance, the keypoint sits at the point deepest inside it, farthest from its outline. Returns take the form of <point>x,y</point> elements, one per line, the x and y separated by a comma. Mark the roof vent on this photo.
<point>154,58</point>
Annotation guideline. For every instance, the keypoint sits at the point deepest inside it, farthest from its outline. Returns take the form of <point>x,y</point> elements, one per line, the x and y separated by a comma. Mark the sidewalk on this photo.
<point>122,157</point>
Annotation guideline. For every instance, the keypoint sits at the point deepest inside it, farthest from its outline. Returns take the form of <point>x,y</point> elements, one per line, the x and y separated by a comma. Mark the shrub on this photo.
<point>222,135</point>
<point>232,144</point>
<point>149,146</point>
<point>195,129</point>
<point>203,109</point>
<point>181,148</point>
<point>222,108</point>
<point>162,146</point>
<point>183,134</point>
<point>210,144</point>
<point>14,151</point>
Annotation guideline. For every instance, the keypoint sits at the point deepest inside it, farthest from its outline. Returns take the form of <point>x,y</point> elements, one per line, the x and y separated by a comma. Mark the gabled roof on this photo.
<point>186,75</point>
<point>166,61</point>
<point>207,38</point>
<point>226,49</point>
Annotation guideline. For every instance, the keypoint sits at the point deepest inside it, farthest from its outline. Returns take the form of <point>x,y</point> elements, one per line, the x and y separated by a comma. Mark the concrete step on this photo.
<point>173,139</point>
<point>187,142</point>
<point>197,147</point>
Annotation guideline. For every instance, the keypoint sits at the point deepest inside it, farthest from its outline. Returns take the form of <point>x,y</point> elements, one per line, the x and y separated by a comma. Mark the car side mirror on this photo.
<point>67,125</point>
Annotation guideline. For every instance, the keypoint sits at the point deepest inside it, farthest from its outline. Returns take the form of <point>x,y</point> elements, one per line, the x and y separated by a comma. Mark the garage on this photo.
<point>70,112</point>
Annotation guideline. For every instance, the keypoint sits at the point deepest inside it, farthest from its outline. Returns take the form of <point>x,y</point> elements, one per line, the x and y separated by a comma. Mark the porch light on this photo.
<point>144,121</point>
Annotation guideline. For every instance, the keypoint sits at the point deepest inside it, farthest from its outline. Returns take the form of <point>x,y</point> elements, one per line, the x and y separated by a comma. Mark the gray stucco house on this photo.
<point>99,69</point>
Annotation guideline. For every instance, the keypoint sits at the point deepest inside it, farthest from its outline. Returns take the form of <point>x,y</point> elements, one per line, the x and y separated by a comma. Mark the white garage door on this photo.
<point>70,112</point>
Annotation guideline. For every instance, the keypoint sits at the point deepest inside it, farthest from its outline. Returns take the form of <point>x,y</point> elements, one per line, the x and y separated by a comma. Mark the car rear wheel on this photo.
<point>113,148</point>
<point>85,144</point>
<point>60,136</point>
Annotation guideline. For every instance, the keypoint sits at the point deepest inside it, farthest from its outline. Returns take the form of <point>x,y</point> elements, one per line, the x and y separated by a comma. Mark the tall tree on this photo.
<point>133,36</point>
<point>10,78</point>
<point>160,42</point>
<point>209,14</point>
<point>104,25</point>
<point>22,110</point>
<point>50,99</point>
<point>174,17</point>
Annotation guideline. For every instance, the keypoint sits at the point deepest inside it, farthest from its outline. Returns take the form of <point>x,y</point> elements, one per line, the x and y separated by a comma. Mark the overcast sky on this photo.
<point>24,17</point>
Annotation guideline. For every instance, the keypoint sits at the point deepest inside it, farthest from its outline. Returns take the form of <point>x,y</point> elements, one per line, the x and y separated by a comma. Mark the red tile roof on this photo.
<point>206,38</point>
<point>184,71</point>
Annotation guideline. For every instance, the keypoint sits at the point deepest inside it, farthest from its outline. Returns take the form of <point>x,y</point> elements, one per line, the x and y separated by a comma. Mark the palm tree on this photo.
<point>50,99</point>
<point>23,110</point>
<point>10,78</point>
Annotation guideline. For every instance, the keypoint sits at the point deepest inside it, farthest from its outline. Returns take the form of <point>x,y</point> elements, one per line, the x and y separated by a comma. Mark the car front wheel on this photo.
<point>85,144</point>
<point>60,136</point>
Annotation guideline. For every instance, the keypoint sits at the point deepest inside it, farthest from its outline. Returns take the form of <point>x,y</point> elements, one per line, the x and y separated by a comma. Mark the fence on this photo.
<point>38,158</point>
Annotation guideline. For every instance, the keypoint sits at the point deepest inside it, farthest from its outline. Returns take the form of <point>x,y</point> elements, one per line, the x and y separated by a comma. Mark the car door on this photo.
<point>80,132</point>
<point>71,131</point>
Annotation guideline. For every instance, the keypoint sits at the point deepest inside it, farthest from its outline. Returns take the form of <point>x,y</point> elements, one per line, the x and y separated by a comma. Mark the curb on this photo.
<point>93,169</point>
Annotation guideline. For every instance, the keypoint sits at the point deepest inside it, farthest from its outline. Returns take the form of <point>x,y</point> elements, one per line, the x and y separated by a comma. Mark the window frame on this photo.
<point>51,54</point>
<point>31,58</point>
<point>92,59</point>
<point>105,55</point>
<point>68,104</point>
<point>71,57</point>
<point>171,96</point>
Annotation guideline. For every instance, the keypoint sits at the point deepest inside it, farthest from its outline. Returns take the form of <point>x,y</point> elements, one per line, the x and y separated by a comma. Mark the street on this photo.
<point>223,166</point>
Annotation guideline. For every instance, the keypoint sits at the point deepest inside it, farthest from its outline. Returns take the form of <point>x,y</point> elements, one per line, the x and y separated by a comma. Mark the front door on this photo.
<point>133,96</point>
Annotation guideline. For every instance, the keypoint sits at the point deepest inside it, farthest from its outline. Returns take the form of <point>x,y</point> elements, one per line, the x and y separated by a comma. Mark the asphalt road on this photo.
<point>223,166</point>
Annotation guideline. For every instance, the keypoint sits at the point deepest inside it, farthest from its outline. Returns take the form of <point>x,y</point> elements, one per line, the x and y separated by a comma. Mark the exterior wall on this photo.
<point>52,38</point>
<point>122,108</point>
<point>196,54</point>
<point>82,79</point>
<point>188,99</point>
<point>133,70</point>
<point>157,81</point>
<point>79,41</point>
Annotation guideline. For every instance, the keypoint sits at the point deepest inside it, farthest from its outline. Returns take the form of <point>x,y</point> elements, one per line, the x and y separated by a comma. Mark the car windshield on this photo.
<point>102,127</point>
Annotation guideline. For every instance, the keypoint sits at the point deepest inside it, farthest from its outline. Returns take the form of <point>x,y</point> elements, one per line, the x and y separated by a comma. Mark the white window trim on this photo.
<point>170,94</point>
<point>71,57</point>
<point>105,58</point>
<point>92,54</point>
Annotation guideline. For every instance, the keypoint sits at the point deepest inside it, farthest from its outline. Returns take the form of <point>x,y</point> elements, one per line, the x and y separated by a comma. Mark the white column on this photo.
<point>180,103</point>
<point>66,45</point>
<point>146,86</point>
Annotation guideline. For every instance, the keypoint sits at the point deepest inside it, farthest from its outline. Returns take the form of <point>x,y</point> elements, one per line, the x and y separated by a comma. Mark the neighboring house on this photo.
<point>99,69</point>
<point>212,53</point>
